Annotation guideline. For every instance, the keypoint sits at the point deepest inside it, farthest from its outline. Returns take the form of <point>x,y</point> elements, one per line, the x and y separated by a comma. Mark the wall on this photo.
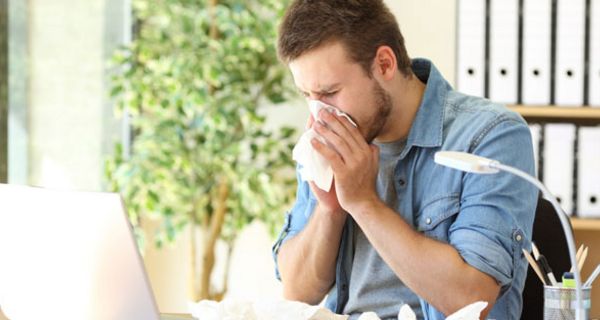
<point>428,28</point>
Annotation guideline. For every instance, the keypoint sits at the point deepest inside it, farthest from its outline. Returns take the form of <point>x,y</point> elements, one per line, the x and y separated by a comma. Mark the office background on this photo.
<point>61,124</point>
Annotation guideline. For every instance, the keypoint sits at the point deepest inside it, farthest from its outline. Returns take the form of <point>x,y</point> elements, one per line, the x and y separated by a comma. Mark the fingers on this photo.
<point>335,141</point>
<point>352,130</point>
<point>335,160</point>
<point>342,127</point>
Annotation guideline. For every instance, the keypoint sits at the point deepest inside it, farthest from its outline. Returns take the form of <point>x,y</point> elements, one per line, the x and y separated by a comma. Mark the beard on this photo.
<point>383,107</point>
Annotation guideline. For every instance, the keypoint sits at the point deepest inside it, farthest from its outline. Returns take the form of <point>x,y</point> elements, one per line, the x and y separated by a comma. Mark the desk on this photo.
<point>172,316</point>
<point>163,316</point>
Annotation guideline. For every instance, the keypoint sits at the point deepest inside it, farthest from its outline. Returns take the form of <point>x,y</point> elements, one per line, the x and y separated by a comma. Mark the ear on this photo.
<point>384,63</point>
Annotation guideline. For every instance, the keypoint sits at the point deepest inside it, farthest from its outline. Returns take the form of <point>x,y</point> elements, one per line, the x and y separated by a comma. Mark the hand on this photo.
<point>328,201</point>
<point>354,162</point>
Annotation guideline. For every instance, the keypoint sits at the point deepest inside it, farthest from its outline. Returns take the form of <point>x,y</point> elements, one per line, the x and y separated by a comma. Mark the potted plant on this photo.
<point>193,80</point>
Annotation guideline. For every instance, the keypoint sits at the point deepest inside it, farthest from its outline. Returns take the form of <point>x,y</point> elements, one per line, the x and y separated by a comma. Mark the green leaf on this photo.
<point>195,104</point>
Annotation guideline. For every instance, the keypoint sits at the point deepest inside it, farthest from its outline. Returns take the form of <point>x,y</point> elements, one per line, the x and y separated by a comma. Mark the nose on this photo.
<point>323,98</point>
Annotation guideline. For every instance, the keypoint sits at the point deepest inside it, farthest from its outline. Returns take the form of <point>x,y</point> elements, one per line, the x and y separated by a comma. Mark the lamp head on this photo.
<point>465,162</point>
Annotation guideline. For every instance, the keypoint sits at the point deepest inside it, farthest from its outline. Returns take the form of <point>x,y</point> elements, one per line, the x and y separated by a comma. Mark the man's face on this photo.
<point>327,74</point>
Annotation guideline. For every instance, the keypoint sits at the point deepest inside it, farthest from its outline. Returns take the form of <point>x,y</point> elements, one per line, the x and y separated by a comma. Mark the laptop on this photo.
<point>70,255</point>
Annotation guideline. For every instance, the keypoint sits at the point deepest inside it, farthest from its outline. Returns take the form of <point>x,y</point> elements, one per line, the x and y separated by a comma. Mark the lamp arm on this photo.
<point>579,313</point>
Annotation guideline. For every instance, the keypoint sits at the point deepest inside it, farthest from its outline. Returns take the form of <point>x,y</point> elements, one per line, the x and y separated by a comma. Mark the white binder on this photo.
<point>470,72</point>
<point>537,34</point>
<point>588,180</point>
<point>558,163</point>
<point>570,44</point>
<point>504,36</point>
<point>536,131</point>
<point>594,66</point>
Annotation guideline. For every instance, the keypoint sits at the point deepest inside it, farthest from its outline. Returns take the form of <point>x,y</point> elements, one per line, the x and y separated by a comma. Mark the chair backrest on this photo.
<point>549,237</point>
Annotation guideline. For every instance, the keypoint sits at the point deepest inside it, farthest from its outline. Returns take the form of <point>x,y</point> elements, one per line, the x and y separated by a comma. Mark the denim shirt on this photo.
<point>487,218</point>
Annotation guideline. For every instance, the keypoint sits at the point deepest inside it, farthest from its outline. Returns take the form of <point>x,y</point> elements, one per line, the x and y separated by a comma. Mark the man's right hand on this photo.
<point>328,201</point>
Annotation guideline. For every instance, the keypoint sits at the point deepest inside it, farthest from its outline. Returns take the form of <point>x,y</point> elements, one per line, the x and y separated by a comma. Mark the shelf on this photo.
<point>585,224</point>
<point>587,116</point>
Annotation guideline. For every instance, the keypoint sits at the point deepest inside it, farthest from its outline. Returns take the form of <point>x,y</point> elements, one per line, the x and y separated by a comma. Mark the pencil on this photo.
<point>582,259</point>
<point>534,266</point>
<point>577,257</point>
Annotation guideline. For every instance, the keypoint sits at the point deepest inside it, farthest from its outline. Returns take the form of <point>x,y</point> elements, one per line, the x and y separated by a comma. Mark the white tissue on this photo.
<point>294,310</point>
<point>470,312</point>
<point>260,310</point>
<point>313,166</point>
<point>369,316</point>
<point>406,313</point>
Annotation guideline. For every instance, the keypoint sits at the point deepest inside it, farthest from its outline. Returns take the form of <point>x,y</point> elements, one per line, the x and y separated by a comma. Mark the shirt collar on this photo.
<point>427,127</point>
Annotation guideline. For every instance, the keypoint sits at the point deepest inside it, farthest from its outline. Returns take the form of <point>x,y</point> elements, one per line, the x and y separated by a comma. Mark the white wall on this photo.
<point>251,276</point>
<point>429,28</point>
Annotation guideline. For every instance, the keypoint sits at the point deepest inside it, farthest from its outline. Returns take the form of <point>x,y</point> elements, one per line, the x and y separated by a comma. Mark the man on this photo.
<point>395,227</point>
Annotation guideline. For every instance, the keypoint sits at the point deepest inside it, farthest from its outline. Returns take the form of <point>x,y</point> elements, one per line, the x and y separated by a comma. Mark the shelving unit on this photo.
<point>585,224</point>
<point>586,230</point>
<point>555,114</point>
<point>586,116</point>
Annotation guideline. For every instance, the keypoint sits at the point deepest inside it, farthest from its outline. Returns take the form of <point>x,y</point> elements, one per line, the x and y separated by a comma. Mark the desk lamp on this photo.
<point>475,164</point>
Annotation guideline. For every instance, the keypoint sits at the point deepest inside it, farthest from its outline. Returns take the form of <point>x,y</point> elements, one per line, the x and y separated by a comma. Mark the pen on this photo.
<point>544,266</point>
<point>591,279</point>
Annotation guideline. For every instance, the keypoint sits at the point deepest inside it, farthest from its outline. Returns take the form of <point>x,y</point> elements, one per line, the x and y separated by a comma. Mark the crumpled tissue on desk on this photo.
<point>260,310</point>
<point>294,310</point>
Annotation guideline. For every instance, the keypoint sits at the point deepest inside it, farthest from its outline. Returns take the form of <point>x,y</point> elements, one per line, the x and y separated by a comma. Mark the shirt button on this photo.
<point>519,237</point>
<point>428,221</point>
<point>401,182</point>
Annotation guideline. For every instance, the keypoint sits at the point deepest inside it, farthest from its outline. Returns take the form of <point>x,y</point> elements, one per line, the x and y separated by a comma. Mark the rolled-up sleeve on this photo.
<point>497,211</point>
<point>295,219</point>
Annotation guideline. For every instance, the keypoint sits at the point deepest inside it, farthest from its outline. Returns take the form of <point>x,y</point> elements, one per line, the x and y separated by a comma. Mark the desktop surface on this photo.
<point>175,316</point>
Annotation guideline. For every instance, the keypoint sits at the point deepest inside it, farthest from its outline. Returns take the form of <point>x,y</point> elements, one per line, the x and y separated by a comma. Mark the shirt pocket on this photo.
<point>436,217</point>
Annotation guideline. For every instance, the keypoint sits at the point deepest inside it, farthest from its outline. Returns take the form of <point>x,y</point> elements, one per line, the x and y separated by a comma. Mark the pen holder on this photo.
<point>560,303</point>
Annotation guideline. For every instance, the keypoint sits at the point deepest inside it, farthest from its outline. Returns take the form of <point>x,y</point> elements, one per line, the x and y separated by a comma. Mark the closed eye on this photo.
<point>320,94</point>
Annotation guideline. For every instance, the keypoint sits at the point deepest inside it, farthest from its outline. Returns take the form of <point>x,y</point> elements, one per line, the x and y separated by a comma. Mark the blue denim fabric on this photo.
<point>487,218</point>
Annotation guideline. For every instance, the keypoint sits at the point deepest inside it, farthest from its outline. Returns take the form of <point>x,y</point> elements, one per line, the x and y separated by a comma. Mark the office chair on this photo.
<point>549,237</point>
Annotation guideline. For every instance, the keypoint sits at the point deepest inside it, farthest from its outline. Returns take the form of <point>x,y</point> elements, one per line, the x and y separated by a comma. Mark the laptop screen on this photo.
<point>69,255</point>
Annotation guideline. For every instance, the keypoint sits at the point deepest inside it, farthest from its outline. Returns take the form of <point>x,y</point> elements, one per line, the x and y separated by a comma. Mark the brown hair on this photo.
<point>362,26</point>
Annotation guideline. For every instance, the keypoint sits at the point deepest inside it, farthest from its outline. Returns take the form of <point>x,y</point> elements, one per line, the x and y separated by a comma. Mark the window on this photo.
<point>3,90</point>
